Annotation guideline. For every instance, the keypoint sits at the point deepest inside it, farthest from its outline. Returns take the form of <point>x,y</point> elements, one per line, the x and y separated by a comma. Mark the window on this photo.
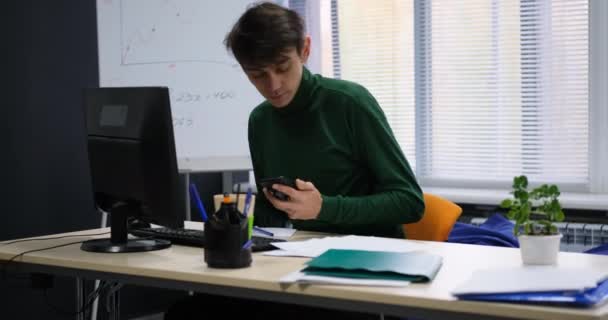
<point>371,43</point>
<point>476,91</point>
<point>506,91</point>
<point>377,52</point>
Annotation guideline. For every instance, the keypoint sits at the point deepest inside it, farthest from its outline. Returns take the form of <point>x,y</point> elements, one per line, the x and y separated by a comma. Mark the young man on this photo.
<point>330,135</point>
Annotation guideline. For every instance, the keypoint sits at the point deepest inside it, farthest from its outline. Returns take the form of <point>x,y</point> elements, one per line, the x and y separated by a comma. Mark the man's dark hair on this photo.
<point>263,33</point>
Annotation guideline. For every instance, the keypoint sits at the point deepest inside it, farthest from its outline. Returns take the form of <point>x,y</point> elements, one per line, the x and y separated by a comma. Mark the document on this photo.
<point>274,233</point>
<point>193,225</point>
<point>302,277</point>
<point>548,285</point>
<point>315,247</point>
<point>530,279</point>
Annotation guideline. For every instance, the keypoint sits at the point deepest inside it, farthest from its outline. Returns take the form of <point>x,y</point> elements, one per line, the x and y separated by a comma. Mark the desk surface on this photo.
<point>184,267</point>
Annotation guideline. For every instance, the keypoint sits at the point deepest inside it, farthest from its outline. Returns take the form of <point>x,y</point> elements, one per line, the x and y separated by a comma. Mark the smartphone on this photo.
<point>268,182</point>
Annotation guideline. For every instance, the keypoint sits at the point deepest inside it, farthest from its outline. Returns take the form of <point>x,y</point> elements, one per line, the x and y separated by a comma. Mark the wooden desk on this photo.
<point>182,267</point>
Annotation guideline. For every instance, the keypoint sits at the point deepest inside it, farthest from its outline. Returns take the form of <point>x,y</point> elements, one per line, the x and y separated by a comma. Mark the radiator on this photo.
<point>577,237</point>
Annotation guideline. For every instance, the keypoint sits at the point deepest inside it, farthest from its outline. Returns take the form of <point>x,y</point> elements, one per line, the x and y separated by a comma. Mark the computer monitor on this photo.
<point>133,163</point>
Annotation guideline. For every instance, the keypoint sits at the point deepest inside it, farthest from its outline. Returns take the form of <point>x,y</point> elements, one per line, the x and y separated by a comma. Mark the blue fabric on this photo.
<point>496,231</point>
<point>602,249</point>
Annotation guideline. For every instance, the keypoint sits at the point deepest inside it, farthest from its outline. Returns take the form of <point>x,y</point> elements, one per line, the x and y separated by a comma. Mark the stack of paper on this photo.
<point>360,267</point>
<point>274,233</point>
<point>315,247</point>
<point>536,284</point>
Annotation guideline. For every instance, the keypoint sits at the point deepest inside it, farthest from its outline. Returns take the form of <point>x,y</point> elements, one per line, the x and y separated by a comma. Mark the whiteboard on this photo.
<point>179,44</point>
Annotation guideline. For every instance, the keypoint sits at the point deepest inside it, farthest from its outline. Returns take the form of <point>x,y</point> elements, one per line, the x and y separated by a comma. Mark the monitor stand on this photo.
<point>119,241</point>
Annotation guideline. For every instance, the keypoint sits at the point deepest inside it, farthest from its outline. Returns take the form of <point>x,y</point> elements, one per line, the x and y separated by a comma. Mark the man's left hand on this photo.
<point>303,204</point>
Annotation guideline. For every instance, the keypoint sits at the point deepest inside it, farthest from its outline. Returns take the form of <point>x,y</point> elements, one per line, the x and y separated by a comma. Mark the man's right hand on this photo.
<point>304,203</point>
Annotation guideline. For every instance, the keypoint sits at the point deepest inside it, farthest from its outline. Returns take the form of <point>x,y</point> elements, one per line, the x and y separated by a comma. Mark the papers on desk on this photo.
<point>357,260</point>
<point>277,233</point>
<point>529,279</point>
<point>536,284</point>
<point>192,225</point>
<point>302,277</point>
<point>314,247</point>
<point>360,267</point>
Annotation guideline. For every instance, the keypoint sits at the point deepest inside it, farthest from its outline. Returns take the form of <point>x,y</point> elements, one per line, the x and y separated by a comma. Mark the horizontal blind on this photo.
<point>506,91</point>
<point>375,49</point>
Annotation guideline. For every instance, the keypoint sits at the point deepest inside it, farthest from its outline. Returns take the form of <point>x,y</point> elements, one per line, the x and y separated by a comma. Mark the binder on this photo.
<point>547,285</point>
<point>375,265</point>
<point>583,299</point>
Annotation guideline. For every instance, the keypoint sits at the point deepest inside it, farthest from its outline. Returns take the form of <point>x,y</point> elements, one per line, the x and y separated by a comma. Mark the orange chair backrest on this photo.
<point>440,215</point>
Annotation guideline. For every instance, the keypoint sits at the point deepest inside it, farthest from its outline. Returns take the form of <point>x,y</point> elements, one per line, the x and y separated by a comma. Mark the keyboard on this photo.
<point>196,238</point>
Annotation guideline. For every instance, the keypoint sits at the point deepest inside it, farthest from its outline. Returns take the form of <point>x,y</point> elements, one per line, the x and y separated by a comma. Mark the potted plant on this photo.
<point>535,213</point>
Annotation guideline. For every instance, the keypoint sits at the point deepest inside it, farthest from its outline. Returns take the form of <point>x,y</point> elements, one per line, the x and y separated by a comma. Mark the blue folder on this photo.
<point>582,299</point>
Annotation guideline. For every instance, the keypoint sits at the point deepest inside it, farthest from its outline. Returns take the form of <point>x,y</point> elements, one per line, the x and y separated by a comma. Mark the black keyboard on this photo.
<point>196,238</point>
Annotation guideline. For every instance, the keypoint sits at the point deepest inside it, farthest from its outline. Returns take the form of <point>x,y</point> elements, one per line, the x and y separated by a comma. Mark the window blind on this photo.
<point>375,49</point>
<point>507,91</point>
<point>476,91</point>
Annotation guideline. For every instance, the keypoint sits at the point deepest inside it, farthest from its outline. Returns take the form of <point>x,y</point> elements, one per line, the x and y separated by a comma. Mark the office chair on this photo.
<point>439,217</point>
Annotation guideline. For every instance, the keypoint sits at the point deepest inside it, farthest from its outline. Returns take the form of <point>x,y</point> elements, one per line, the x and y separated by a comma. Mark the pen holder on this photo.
<point>226,239</point>
<point>241,206</point>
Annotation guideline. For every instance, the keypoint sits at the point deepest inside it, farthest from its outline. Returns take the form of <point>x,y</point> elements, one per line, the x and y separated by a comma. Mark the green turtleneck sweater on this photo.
<point>334,134</point>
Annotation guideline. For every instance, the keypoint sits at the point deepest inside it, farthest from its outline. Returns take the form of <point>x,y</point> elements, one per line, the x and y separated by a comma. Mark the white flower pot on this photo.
<point>539,250</point>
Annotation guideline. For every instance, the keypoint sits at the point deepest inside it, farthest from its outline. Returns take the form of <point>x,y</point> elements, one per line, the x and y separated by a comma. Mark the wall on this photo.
<point>50,52</point>
<point>45,186</point>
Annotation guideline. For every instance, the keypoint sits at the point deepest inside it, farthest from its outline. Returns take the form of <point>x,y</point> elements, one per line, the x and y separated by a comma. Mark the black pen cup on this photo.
<point>227,239</point>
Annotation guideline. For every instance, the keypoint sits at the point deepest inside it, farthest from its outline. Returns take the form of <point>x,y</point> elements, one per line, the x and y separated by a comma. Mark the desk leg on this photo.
<point>80,299</point>
<point>116,305</point>
<point>187,206</point>
<point>95,306</point>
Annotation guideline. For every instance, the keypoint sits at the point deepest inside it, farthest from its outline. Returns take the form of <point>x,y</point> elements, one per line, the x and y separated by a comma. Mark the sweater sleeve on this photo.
<point>397,197</point>
<point>265,214</point>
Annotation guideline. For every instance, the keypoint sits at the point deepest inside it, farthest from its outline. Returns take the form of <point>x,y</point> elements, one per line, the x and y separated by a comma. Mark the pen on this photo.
<point>262,231</point>
<point>247,244</point>
<point>197,200</point>
<point>247,202</point>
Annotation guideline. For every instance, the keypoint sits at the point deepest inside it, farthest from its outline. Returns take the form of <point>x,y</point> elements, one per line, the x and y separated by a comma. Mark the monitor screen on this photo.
<point>133,163</point>
<point>113,115</point>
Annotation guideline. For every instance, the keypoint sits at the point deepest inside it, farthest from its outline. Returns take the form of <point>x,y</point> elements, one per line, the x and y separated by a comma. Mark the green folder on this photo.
<point>380,265</point>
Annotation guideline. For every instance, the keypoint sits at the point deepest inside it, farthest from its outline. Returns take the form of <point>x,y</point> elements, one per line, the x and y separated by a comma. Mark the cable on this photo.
<point>5,266</point>
<point>25,277</point>
<point>90,299</point>
<point>4,269</point>
<point>95,296</point>
<point>52,238</point>
<point>110,296</point>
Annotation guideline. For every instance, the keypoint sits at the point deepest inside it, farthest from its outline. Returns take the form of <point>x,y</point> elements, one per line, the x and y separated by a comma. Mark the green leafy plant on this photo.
<point>534,211</point>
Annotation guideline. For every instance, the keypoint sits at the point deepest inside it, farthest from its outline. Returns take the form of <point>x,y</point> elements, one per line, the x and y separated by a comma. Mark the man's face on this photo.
<point>279,82</point>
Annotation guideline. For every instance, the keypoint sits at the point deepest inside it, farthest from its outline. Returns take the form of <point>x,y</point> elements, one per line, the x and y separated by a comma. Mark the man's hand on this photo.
<point>303,204</point>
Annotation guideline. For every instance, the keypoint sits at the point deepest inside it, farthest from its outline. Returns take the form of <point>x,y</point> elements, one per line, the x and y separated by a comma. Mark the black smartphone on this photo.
<point>268,182</point>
